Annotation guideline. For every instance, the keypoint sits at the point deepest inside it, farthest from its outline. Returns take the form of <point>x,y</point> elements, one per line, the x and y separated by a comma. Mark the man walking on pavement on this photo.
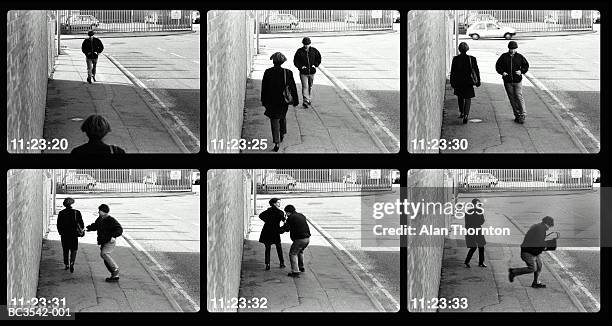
<point>108,229</point>
<point>531,248</point>
<point>306,59</point>
<point>300,235</point>
<point>512,66</point>
<point>91,47</point>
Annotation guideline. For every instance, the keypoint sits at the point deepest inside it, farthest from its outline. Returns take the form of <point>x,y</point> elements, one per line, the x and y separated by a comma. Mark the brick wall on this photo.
<point>425,252</point>
<point>27,65</point>
<point>230,50</point>
<point>28,213</point>
<point>227,217</point>
<point>430,49</point>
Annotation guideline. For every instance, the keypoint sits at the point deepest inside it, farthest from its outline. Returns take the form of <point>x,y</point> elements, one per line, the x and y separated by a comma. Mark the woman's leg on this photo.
<point>267,257</point>
<point>275,124</point>
<point>466,106</point>
<point>460,101</point>
<point>279,252</point>
<point>471,252</point>
<point>481,255</point>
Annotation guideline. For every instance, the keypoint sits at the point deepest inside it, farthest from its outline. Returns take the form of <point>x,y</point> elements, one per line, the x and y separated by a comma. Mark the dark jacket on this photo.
<point>271,229</point>
<point>92,48</point>
<point>474,221</point>
<point>535,239</point>
<point>97,147</point>
<point>297,226</point>
<point>67,220</point>
<point>272,87</point>
<point>107,227</point>
<point>460,76</point>
<point>303,58</point>
<point>509,64</point>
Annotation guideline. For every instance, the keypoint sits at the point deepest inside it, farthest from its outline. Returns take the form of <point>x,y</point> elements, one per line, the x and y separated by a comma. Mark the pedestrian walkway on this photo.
<point>70,100</point>
<point>492,128</point>
<point>86,290</point>
<point>488,289</point>
<point>326,286</point>
<point>330,126</point>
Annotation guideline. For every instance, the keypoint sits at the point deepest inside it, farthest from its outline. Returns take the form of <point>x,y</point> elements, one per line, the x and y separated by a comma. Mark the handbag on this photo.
<point>473,74</point>
<point>551,244</point>
<point>287,97</point>
<point>79,230</point>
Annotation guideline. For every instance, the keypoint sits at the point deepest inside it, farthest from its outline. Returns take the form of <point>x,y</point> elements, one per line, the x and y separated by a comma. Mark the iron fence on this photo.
<point>479,180</point>
<point>72,181</point>
<point>322,180</point>
<point>276,21</point>
<point>106,21</point>
<point>531,20</point>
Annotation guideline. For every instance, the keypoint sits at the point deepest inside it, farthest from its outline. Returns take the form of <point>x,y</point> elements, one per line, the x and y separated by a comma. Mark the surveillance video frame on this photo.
<point>532,83</point>
<point>337,99</point>
<point>103,241</point>
<point>301,240</point>
<point>103,81</point>
<point>504,240</point>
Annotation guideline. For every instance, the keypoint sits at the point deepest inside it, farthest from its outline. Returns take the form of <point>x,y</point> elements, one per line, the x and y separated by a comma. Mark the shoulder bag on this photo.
<point>473,74</point>
<point>287,97</point>
<point>79,230</point>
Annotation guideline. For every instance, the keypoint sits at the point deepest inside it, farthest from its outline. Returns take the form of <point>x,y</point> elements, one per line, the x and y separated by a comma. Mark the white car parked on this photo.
<point>489,29</point>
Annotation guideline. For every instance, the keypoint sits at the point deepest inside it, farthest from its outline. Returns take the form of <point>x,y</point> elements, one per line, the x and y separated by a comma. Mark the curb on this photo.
<point>324,194</point>
<point>140,259</point>
<point>566,288</point>
<point>124,34</point>
<point>542,88</point>
<point>343,94</point>
<point>337,248</point>
<point>301,34</point>
<point>141,87</point>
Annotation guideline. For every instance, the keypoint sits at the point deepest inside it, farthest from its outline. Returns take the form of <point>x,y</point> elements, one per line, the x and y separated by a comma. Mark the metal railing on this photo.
<point>479,180</point>
<point>531,20</point>
<point>276,21</point>
<point>106,21</point>
<point>72,181</point>
<point>322,180</point>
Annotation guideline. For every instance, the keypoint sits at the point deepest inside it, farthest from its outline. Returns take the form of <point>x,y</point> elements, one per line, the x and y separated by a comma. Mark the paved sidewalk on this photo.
<point>326,286</point>
<point>330,126</point>
<point>488,289</point>
<point>70,100</point>
<point>86,290</point>
<point>496,131</point>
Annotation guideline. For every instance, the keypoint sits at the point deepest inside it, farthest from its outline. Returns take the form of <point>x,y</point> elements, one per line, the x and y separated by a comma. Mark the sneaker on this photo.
<point>282,266</point>
<point>112,279</point>
<point>510,275</point>
<point>267,267</point>
<point>89,80</point>
<point>302,269</point>
<point>305,105</point>
<point>521,120</point>
<point>538,285</point>
<point>293,274</point>
<point>482,265</point>
<point>115,273</point>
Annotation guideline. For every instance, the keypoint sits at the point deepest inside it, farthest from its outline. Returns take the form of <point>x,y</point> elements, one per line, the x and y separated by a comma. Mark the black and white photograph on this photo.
<point>302,240</point>
<point>103,81</point>
<point>504,81</point>
<point>103,240</point>
<point>504,240</point>
<point>303,81</point>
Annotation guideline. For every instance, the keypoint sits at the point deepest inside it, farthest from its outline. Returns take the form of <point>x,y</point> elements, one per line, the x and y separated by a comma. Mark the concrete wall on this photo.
<point>27,65</point>
<point>29,208</point>
<point>425,253</point>
<point>227,217</point>
<point>230,50</point>
<point>430,49</point>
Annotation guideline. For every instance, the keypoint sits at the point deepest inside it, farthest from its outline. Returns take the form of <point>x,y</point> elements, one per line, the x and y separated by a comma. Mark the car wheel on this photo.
<point>507,36</point>
<point>475,36</point>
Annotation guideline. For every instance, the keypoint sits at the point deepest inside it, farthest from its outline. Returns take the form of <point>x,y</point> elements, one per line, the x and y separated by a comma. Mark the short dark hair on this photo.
<point>306,41</point>
<point>278,58</point>
<point>273,201</point>
<point>96,127</point>
<point>104,208</point>
<point>90,33</point>
<point>68,202</point>
<point>548,220</point>
<point>463,47</point>
<point>290,209</point>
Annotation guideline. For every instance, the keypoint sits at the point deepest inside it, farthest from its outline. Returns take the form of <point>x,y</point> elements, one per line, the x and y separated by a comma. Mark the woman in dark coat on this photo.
<point>272,86</point>
<point>96,127</point>
<point>474,219</point>
<point>270,234</point>
<point>461,80</point>
<point>67,221</point>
